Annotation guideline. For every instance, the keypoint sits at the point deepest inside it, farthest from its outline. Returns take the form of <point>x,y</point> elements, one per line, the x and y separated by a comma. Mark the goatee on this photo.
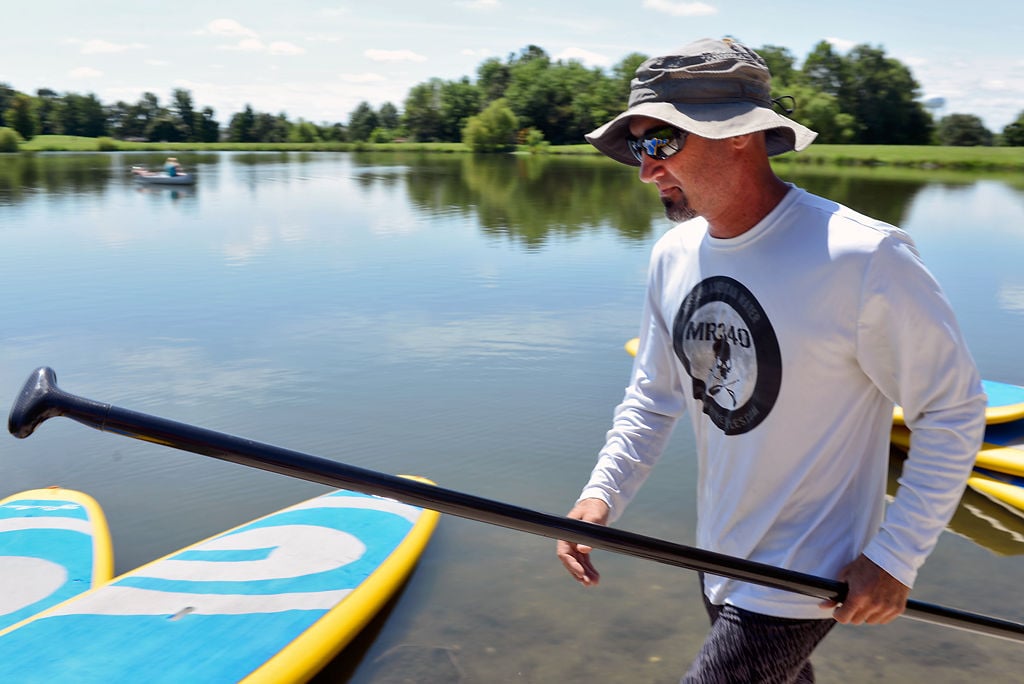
<point>678,210</point>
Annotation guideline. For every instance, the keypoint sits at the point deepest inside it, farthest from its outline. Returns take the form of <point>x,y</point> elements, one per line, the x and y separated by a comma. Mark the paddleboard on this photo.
<point>1001,459</point>
<point>632,346</point>
<point>54,544</point>
<point>1002,492</point>
<point>978,518</point>
<point>270,601</point>
<point>1005,403</point>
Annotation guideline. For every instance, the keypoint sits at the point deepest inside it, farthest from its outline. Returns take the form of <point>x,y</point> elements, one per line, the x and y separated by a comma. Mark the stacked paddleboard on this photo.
<point>999,468</point>
<point>999,465</point>
<point>270,601</point>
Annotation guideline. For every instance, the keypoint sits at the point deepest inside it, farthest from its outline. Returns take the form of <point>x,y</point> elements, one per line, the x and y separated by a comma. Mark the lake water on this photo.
<point>460,318</point>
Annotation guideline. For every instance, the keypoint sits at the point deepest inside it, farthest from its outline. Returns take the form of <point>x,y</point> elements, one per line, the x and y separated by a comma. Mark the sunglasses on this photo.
<point>659,143</point>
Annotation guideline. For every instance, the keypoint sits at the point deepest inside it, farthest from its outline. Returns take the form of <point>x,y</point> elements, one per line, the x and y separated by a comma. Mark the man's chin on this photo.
<point>678,211</point>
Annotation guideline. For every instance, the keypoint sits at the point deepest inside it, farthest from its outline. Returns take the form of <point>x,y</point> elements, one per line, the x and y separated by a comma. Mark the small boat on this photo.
<point>144,175</point>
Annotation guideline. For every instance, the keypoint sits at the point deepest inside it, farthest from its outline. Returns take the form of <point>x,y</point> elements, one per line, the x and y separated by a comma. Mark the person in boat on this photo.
<point>787,326</point>
<point>173,167</point>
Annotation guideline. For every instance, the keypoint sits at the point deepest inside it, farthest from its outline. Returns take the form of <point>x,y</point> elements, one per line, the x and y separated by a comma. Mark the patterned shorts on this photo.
<point>752,648</point>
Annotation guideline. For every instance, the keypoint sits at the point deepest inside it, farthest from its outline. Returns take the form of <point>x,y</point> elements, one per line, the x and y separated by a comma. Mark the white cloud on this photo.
<point>841,44</point>
<point>997,99</point>
<point>246,45</point>
<point>85,72</point>
<point>277,47</point>
<point>281,47</point>
<point>394,56</point>
<point>361,78</point>
<point>334,11</point>
<point>585,56</point>
<point>479,4</point>
<point>99,47</point>
<point>324,38</point>
<point>227,28</point>
<point>248,40</point>
<point>681,9</point>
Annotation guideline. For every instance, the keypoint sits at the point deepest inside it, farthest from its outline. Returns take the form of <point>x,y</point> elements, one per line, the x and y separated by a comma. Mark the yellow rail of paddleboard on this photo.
<point>312,650</point>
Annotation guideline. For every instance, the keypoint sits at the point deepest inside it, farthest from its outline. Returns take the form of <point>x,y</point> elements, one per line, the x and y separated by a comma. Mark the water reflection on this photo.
<point>25,173</point>
<point>528,199</point>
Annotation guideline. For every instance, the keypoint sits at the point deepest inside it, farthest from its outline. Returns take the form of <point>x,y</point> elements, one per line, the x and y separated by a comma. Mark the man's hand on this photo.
<point>875,597</point>
<point>576,557</point>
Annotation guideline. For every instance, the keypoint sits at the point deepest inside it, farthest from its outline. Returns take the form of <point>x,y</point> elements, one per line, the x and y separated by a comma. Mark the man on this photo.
<point>786,325</point>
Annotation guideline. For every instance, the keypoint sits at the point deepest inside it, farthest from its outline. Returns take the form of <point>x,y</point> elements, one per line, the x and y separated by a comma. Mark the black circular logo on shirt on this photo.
<point>729,348</point>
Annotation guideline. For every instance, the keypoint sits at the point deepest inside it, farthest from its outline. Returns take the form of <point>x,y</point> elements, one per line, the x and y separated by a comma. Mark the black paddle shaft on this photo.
<point>41,399</point>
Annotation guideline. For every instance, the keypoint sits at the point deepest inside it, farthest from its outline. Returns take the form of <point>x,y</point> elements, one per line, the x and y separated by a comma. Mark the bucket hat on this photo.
<point>713,88</point>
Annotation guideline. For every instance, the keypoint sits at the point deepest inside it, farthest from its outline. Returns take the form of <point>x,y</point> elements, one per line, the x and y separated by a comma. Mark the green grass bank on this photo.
<point>904,156</point>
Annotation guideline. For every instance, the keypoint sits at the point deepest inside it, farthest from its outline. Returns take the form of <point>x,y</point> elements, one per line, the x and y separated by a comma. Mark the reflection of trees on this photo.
<point>531,198</point>
<point>887,198</point>
<point>21,173</point>
<point>79,173</point>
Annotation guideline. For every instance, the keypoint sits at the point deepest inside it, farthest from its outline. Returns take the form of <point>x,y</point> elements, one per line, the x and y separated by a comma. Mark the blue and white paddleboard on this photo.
<point>271,601</point>
<point>54,544</point>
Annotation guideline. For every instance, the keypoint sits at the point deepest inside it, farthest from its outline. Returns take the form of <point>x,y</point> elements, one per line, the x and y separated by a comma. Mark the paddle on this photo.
<point>41,399</point>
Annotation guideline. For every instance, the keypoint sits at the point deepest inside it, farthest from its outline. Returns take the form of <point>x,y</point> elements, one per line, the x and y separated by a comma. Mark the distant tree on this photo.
<point>459,101</point>
<point>362,122</point>
<point>387,116</point>
<point>622,75</point>
<point>81,115</point>
<point>182,106</point>
<point>22,116</point>
<point>7,94</point>
<point>493,130</point>
<point>565,100</point>
<point>205,127</point>
<point>1013,134</point>
<point>304,132</point>
<point>826,70</point>
<point>422,117</point>
<point>492,78</point>
<point>781,63</point>
<point>335,131</point>
<point>166,128</point>
<point>270,128</point>
<point>533,93</point>
<point>119,119</point>
<point>147,109</point>
<point>817,110</point>
<point>882,95</point>
<point>240,128</point>
<point>963,130</point>
<point>47,103</point>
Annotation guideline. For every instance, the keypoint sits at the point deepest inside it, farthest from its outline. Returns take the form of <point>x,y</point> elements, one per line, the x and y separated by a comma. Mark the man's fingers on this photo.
<point>576,559</point>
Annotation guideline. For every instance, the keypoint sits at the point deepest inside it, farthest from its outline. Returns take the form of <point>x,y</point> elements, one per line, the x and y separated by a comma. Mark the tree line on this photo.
<point>860,97</point>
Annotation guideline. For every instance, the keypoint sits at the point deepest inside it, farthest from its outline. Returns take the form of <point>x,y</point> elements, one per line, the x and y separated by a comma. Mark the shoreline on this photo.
<point>924,157</point>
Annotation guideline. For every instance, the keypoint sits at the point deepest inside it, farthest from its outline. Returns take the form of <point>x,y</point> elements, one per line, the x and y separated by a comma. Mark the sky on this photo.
<point>318,60</point>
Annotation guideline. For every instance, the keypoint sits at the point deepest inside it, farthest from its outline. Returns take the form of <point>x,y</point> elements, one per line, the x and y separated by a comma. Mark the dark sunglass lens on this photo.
<point>660,143</point>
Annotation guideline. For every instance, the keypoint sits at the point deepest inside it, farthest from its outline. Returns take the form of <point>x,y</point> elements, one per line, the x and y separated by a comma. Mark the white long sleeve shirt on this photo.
<point>788,346</point>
